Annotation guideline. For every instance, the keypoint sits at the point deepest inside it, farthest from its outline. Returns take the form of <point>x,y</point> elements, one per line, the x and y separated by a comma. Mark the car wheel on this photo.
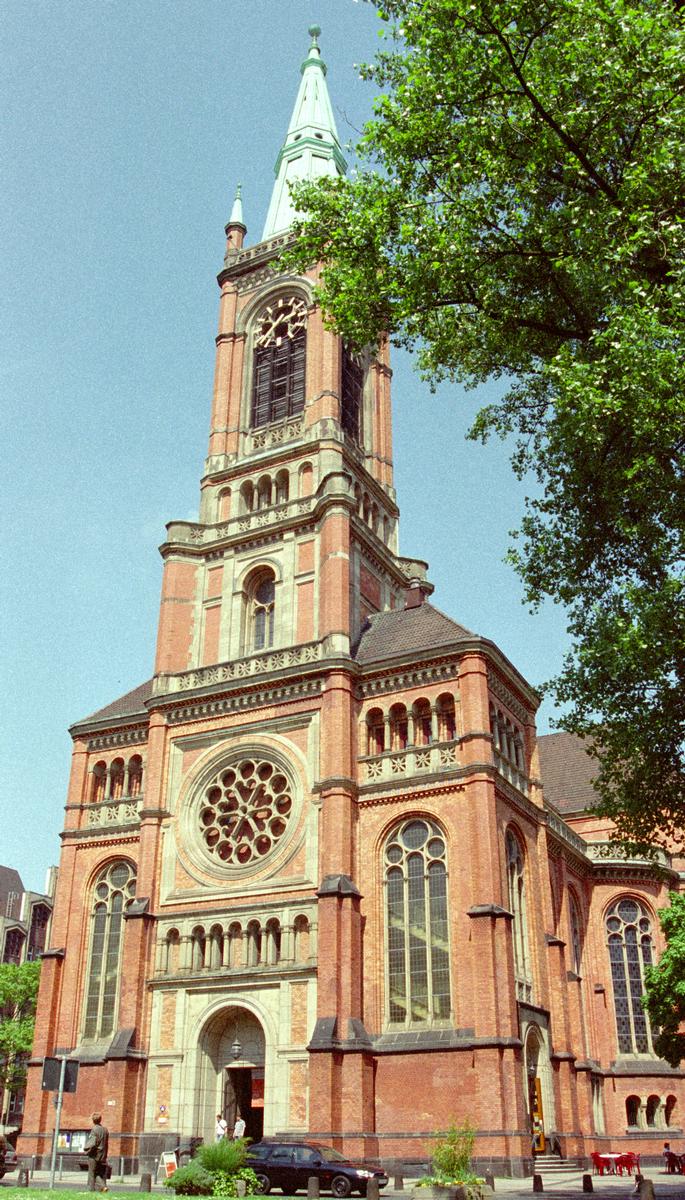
<point>340,1186</point>
<point>263,1184</point>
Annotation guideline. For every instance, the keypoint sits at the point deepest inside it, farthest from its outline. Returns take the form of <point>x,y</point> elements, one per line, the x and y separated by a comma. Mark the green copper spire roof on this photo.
<point>312,148</point>
<point>236,217</point>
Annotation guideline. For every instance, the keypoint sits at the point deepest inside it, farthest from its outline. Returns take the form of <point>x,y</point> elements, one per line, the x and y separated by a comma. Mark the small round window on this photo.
<point>244,811</point>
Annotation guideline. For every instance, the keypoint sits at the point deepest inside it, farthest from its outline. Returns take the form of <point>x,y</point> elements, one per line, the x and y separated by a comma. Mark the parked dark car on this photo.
<point>8,1157</point>
<point>288,1166</point>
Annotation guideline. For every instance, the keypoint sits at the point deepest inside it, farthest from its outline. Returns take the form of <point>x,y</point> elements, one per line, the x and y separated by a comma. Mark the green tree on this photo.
<point>664,996</point>
<point>18,996</point>
<point>519,214</point>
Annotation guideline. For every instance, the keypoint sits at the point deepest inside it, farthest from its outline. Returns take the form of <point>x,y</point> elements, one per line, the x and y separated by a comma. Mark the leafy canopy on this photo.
<point>519,214</point>
<point>18,996</point>
<point>664,996</point>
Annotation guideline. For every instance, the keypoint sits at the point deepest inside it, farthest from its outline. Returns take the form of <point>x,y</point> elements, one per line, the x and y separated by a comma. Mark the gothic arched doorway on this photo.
<point>232,1052</point>
<point>538,1089</point>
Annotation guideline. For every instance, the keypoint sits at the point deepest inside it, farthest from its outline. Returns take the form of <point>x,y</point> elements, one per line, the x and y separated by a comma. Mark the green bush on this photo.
<point>452,1153</point>
<point>191,1180</point>
<point>226,1155</point>
<point>226,1185</point>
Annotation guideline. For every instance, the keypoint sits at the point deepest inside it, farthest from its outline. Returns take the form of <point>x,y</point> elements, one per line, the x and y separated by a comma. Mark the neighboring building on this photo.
<point>24,924</point>
<point>308,870</point>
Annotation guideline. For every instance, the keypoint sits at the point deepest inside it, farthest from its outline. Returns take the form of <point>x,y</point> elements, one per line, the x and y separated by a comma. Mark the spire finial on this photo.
<point>315,34</point>
<point>236,217</point>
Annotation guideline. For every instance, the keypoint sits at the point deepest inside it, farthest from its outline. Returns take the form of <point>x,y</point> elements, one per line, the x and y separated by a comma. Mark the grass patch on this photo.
<point>16,1193</point>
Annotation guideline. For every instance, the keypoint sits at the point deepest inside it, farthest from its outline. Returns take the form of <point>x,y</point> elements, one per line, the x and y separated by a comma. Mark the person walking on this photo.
<point>96,1147</point>
<point>221,1128</point>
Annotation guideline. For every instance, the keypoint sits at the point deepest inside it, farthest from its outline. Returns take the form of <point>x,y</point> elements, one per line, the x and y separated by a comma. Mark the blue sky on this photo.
<point>129,125</point>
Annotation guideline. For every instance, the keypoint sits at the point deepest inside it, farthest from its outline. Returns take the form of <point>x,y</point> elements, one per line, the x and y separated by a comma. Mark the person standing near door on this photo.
<point>238,1128</point>
<point>221,1128</point>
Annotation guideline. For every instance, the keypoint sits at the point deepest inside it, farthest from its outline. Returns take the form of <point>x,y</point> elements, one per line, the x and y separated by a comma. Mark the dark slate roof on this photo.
<point>130,705</point>
<point>404,630</point>
<point>567,772</point>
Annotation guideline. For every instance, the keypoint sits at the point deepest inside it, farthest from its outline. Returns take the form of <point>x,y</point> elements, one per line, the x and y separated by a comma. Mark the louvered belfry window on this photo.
<point>352,393</point>
<point>279,361</point>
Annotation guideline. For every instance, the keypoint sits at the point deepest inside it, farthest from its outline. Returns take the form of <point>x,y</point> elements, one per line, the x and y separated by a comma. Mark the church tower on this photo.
<point>306,868</point>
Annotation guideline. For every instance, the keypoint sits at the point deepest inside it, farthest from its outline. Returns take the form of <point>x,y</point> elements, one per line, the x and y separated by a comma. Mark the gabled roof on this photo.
<point>129,705</point>
<point>403,630</point>
<point>567,772</point>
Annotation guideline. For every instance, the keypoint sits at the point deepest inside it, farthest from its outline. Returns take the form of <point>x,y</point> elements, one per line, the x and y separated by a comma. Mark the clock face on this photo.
<point>244,811</point>
<point>285,318</point>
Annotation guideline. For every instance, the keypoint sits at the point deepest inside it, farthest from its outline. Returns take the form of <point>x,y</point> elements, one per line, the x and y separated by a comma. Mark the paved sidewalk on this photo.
<point>568,1186</point>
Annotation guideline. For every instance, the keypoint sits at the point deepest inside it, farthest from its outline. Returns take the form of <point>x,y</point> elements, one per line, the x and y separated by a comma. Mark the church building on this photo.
<point>318,870</point>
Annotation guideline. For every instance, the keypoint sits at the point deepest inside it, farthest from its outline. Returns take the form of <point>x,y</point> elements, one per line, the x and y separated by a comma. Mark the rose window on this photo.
<point>245,811</point>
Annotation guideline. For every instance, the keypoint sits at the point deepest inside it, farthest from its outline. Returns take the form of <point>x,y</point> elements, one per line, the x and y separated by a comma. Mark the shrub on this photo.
<point>191,1180</point>
<point>452,1153</point>
<point>226,1185</point>
<point>226,1155</point>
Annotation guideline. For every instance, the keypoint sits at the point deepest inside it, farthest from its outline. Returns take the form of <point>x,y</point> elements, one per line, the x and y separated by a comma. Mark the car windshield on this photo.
<point>330,1155</point>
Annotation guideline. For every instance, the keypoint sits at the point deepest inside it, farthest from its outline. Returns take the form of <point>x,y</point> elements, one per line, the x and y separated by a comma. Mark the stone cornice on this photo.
<point>375,680</point>
<point>207,708</point>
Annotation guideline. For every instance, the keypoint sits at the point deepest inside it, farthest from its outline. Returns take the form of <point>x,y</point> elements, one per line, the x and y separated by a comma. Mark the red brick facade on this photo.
<point>310,705</point>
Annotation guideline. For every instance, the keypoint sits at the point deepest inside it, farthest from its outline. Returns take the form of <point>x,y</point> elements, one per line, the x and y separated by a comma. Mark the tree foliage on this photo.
<point>18,996</point>
<point>664,996</point>
<point>519,213</point>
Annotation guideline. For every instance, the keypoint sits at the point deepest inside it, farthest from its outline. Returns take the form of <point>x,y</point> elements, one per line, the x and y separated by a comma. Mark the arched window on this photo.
<point>273,940</point>
<point>306,479</point>
<point>652,1111</point>
<point>115,888</point>
<point>301,935</point>
<point>447,721</point>
<point>135,776</point>
<point>99,782</point>
<point>633,1111</point>
<point>254,944</point>
<point>576,930</point>
<point>264,492</point>
<point>417,953</point>
<point>172,949</point>
<point>282,487</point>
<point>669,1109</point>
<point>375,730</point>
<point>247,497</point>
<point>352,393</point>
<point>260,595</point>
<point>423,727</point>
<point>216,946</point>
<point>399,727</point>
<point>224,504</point>
<point>517,904</point>
<point>199,947</point>
<point>279,361</point>
<point>629,932</point>
<point>116,779</point>
<point>235,945</point>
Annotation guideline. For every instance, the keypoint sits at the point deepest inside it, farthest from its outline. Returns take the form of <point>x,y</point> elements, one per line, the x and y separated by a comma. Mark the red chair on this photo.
<point>599,1164</point>
<point>626,1162</point>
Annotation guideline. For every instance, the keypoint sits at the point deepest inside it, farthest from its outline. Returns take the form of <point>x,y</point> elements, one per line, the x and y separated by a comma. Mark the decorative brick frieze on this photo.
<point>405,678</point>
<point>131,736</point>
<point>207,709</point>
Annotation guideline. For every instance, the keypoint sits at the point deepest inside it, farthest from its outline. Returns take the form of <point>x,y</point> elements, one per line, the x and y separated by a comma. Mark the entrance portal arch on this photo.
<point>539,1093</point>
<point>231,1067</point>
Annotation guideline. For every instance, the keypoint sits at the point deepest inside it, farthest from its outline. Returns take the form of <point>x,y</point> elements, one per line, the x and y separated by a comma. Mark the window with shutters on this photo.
<point>279,361</point>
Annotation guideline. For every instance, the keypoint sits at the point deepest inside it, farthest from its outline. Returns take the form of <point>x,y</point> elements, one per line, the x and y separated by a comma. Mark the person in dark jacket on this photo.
<point>96,1147</point>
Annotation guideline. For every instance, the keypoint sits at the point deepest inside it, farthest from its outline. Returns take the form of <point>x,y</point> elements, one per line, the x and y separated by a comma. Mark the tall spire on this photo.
<point>312,148</point>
